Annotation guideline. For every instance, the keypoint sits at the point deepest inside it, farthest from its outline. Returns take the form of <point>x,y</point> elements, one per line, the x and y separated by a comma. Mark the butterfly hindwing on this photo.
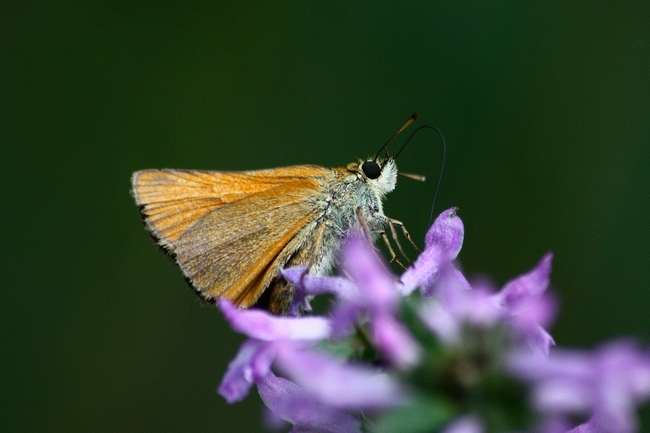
<point>236,250</point>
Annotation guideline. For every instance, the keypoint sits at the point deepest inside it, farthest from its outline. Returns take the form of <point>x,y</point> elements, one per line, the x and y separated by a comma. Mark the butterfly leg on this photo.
<point>364,225</point>
<point>393,256</point>
<point>393,234</point>
<point>368,235</point>
<point>400,224</point>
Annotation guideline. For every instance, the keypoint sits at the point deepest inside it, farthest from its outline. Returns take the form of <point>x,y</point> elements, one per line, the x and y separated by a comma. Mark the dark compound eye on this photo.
<point>371,169</point>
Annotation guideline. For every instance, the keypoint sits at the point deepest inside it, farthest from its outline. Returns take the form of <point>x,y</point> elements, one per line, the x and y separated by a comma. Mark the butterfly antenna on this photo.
<point>406,124</point>
<point>442,167</point>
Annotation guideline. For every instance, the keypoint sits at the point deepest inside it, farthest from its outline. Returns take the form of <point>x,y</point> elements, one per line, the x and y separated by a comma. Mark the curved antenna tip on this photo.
<point>404,126</point>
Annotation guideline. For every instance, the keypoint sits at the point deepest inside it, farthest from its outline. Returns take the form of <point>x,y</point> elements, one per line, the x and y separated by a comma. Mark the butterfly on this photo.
<point>231,232</point>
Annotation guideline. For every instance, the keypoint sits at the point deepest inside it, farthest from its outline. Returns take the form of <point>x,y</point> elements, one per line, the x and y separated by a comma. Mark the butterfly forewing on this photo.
<point>172,200</point>
<point>234,250</point>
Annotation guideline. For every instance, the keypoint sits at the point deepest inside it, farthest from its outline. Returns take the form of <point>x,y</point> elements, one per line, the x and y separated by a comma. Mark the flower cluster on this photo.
<point>429,351</point>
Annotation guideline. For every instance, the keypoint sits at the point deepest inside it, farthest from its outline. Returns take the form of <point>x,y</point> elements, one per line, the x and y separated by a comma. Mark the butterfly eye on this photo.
<point>371,169</point>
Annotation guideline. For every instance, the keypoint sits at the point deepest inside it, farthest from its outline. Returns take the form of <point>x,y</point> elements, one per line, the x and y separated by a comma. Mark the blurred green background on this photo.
<point>546,111</point>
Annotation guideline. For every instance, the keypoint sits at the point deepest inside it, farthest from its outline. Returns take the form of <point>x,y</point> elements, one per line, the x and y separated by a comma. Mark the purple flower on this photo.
<point>308,286</point>
<point>378,298</point>
<point>522,304</point>
<point>528,308</point>
<point>465,424</point>
<point>254,358</point>
<point>584,428</point>
<point>605,385</point>
<point>338,384</point>
<point>251,364</point>
<point>441,245</point>
<point>290,403</point>
<point>323,393</point>
<point>455,304</point>
<point>371,293</point>
<point>261,325</point>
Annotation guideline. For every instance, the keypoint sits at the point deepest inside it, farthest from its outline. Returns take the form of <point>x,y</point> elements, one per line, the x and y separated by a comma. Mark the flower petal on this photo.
<point>446,233</point>
<point>395,342</point>
<point>337,384</point>
<point>376,285</point>
<point>442,244</point>
<point>262,325</point>
<point>287,401</point>
<point>310,285</point>
<point>465,424</point>
<point>253,361</point>
<point>517,294</point>
<point>607,383</point>
<point>314,285</point>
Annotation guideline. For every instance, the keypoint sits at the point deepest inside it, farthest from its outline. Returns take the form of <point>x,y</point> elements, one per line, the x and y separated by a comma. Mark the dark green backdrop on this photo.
<point>545,107</point>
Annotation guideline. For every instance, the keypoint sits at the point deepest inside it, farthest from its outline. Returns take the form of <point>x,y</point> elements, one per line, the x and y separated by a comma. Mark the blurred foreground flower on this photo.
<point>430,352</point>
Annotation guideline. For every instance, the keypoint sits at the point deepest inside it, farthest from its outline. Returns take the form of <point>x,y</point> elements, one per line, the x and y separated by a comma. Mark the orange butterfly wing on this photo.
<point>231,232</point>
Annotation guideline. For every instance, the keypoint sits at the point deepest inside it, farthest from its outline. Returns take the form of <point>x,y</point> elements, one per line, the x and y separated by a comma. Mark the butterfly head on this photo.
<point>380,176</point>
